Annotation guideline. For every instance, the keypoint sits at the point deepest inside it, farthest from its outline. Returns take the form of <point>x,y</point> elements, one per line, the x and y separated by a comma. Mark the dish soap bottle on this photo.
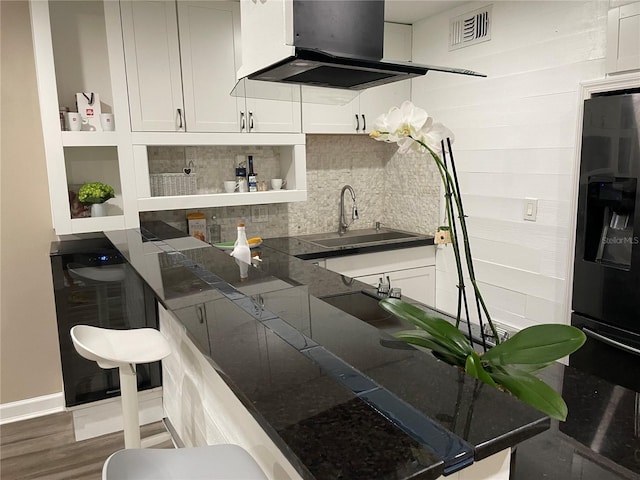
<point>241,252</point>
<point>214,231</point>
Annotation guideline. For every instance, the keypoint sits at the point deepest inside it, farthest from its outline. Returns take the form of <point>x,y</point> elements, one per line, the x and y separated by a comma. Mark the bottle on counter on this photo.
<point>241,251</point>
<point>214,231</point>
<point>252,177</point>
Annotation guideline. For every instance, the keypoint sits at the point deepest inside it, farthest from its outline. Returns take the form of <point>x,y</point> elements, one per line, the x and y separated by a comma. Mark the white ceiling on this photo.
<point>410,11</point>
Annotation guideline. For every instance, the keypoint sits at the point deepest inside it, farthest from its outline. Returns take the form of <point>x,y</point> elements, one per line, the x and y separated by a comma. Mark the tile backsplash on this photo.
<point>401,191</point>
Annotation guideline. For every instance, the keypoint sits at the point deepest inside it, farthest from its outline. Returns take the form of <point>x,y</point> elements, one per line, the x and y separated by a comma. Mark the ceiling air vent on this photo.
<point>470,28</point>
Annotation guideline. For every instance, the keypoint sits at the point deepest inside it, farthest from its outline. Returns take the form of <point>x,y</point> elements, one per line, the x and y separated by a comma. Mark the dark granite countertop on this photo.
<point>341,397</point>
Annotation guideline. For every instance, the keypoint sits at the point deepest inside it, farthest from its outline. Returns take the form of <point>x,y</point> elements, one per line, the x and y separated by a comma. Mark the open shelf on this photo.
<point>89,139</point>
<point>220,200</point>
<point>97,224</point>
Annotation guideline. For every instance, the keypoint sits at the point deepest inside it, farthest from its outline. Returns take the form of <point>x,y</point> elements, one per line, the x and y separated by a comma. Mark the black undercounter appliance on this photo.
<point>94,285</point>
<point>606,278</point>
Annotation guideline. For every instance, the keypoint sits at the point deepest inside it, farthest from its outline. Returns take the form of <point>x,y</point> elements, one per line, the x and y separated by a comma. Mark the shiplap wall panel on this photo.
<point>516,160</point>
<point>516,136</point>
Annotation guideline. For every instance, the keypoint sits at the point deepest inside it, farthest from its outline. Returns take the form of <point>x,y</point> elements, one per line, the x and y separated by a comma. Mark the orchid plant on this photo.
<point>511,363</point>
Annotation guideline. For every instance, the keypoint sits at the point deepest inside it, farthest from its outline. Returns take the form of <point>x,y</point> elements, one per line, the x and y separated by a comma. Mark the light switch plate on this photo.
<point>259,213</point>
<point>530,209</point>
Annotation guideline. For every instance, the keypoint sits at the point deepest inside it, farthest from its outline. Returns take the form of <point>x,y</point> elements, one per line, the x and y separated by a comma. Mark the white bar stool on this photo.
<point>123,349</point>
<point>214,462</point>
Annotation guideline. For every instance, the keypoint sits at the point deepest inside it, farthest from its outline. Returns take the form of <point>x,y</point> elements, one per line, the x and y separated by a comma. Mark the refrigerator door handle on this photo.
<point>611,342</point>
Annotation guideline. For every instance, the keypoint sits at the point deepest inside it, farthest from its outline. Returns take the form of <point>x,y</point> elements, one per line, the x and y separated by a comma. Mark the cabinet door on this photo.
<point>623,38</point>
<point>378,100</point>
<point>329,118</point>
<point>208,32</point>
<point>416,283</point>
<point>152,58</point>
<point>274,116</point>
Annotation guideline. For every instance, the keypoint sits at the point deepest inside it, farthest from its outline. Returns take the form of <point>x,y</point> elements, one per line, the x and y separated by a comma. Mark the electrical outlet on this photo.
<point>259,214</point>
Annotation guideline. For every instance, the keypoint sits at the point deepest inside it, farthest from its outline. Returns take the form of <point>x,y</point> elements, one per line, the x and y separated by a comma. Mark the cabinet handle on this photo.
<point>242,123</point>
<point>179,118</point>
<point>200,313</point>
<point>250,120</point>
<point>357,122</point>
<point>364,123</point>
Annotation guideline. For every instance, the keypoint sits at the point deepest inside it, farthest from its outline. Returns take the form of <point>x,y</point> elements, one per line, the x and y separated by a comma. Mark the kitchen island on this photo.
<point>336,397</point>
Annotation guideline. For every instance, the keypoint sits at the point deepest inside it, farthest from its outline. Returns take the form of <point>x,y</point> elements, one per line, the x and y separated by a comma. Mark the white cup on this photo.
<point>230,186</point>
<point>74,121</point>
<point>107,122</point>
<point>278,183</point>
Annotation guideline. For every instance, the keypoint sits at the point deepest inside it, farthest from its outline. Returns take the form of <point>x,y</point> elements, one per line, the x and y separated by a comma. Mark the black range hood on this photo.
<point>324,43</point>
<point>321,69</point>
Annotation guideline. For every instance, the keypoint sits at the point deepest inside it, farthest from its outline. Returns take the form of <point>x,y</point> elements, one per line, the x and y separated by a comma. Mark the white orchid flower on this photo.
<point>408,126</point>
<point>433,136</point>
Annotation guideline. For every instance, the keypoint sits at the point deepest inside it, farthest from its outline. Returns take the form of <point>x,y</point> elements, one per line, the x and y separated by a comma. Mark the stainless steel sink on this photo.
<point>358,238</point>
<point>366,308</point>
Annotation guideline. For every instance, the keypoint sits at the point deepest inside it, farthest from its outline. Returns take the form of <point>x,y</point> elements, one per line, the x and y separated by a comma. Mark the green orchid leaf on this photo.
<point>473,367</point>
<point>531,367</point>
<point>438,328</point>
<point>538,344</point>
<point>531,390</point>
<point>448,358</point>
<point>423,339</point>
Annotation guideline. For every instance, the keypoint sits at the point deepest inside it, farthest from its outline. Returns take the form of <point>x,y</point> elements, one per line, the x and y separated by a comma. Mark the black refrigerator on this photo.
<point>606,276</point>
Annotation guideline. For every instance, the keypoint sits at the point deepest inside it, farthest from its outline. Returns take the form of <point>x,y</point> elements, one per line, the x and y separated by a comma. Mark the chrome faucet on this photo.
<point>343,225</point>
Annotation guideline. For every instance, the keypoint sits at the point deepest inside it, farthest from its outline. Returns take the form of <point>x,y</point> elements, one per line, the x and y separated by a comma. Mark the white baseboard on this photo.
<point>31,408</point>
<point>105,416</point>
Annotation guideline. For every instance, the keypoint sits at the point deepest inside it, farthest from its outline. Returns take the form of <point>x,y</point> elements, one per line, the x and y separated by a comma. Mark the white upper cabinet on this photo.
<point>181,68</point>
<point>275,116</point>
<point>343,117</point>
<point>152,57</point>
<point>358,114</point>
<point>623,38</point>
<point>208,32</point>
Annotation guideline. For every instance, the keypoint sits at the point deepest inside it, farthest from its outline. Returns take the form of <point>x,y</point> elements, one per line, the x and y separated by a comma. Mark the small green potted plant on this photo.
<point>95,194</point>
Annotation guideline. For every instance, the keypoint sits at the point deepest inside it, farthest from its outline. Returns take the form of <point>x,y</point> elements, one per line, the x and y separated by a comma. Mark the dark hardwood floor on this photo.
<point>44,448</point>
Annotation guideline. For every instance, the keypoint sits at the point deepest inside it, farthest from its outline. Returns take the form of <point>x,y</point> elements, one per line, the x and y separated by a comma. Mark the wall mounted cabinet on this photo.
<point>181,67</point>
<point>623,38</point>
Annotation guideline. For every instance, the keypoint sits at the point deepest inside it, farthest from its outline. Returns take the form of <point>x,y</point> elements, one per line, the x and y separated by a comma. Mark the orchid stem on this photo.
<point>448,180</point>
<point>462,292</point>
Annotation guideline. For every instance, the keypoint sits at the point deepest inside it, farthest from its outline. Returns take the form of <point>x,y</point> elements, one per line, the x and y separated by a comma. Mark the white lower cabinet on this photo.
<point>410,269</point>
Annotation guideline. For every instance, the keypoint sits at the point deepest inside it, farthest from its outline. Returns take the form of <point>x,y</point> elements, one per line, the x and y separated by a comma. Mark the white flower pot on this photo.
<point>97,210</point>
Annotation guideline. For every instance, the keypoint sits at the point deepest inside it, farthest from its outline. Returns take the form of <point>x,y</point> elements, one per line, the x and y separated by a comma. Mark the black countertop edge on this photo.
<point>484,450</point>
